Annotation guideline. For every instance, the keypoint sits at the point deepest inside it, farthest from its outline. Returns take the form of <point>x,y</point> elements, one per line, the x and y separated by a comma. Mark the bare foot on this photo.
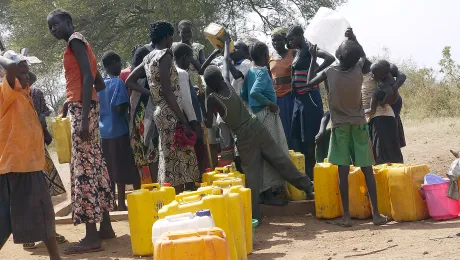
<point>456,154</point>
<point>380,220</point>
<point>344,222</point>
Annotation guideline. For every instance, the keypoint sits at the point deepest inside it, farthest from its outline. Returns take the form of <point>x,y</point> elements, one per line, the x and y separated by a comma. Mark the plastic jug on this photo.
<point>245,194</point>
<point>404,182</point>
<point>181,222</point>
<point>143,206</point>
<point>212,32</point>
<point>61,132</point>
<point>327,29</point>
<point>222,173</point>
<point>204,244</point>
<point>327,194</point>
<point>298,160</point>
<point>358,196</point>
<point>226,209</point>
<point>440,206</point>
<point>383,192</point>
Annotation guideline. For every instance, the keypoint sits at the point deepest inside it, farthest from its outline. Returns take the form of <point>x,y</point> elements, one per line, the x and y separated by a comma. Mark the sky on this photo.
<point>410,29</point>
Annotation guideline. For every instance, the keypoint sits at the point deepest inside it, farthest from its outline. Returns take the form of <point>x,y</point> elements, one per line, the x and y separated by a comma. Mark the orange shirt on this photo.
<point>21,139</point>
<point>73,76</point>
<point>281,68</point>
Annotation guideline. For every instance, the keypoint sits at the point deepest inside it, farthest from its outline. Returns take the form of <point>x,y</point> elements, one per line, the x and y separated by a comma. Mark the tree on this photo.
<point>449,68</point>
<point>119,25</point>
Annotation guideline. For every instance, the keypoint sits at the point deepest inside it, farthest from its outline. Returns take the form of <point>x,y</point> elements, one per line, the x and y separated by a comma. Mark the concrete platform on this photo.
<point>294,208</point>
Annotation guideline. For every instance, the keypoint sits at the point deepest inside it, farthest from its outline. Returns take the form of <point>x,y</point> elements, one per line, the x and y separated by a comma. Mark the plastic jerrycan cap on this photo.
<point>167,184</point>
<point>203,213</point>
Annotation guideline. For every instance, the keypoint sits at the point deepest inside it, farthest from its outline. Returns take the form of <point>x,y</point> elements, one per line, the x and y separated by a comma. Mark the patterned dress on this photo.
<point>90,183</point>
<point>178,166</point>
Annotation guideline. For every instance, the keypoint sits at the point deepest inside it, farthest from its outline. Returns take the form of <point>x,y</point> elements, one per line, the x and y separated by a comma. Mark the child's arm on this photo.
<point>328,60</point>
<point>208,115</point>
<point>322,129</point>
<point>11,68</point>
<point>388,93</point>
<point>136,74</point>
<point>208,61</point>
<point>120,97</point>
<point>312,78</point>
<point>79,49</point>
<point>400,77</point>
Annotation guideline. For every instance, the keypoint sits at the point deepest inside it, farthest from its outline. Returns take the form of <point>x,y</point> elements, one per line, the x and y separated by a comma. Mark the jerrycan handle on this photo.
<point>179,217</point>
<point>199,194</point>
<point>151,186</point>
<point>223,170</point>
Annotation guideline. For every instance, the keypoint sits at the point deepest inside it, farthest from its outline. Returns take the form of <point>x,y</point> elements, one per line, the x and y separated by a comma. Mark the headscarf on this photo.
<point>281,31</point>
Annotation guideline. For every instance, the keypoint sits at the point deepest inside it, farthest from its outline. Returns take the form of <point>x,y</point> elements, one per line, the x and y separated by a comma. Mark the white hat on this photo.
<point>17,58</point>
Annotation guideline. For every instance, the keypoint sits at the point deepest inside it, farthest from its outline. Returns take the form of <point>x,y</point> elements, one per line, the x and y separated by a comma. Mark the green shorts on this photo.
<point>351,143</point>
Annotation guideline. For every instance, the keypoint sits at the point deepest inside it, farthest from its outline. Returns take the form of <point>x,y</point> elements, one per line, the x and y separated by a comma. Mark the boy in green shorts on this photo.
<point>350,137</point>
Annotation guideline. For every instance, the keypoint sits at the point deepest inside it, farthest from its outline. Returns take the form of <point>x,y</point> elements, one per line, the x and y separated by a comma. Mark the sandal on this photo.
<point>60,239</point>
<point>78,249</point>
<point>29,246</point>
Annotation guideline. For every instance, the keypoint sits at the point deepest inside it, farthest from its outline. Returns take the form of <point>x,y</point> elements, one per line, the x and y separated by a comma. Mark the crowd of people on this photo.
<point>161,119</point>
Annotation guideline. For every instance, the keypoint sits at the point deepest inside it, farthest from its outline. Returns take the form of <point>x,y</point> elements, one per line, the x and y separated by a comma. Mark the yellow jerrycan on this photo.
<point>245,193</point>
<point>404,183</point>
<point>213,32</point>
<point>61,131</point>
<point>219,204</point>
<point>299,161</point>
<point>327,194</point>
<point>222,173</point>
<point>206,244</point>
<point>143,206</point>
<point>360,207</point>
<point>383,191</point>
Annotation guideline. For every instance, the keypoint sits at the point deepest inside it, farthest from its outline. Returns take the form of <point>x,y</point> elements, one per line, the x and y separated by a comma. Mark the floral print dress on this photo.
<point>91,193</point>
<point>177,166</point>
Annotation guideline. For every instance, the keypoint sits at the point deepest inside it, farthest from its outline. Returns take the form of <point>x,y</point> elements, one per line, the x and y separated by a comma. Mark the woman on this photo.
<point>186,34</point>
<point>177,164</point>
<point>92,197</point>
<point>144,140</point>
<point>281,71</point>
<point>308,106</point>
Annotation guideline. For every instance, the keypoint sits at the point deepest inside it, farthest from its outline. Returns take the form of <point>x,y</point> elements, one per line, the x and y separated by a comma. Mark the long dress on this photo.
<point>177,166</point>
<point>258,80</point>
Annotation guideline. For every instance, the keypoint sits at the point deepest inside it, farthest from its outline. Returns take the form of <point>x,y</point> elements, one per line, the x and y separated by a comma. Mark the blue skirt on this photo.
<point>286,105</point>
<point>307,115</point>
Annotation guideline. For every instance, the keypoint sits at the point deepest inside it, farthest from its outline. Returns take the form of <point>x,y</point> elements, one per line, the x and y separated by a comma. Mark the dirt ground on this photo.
<point>304,237</point>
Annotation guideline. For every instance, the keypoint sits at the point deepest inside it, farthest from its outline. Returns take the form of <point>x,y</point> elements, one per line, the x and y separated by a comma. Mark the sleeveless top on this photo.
<point>239,119</point>
<point>280,68</point>
<point>301,65</point>
<point>72,72</point>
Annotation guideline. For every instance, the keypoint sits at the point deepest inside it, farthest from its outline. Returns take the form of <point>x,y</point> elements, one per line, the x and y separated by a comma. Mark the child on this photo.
<point>91,192</point>
<point>259,92</point>
<point>381,72</point>
<point>350,137</point>
<point>255,143</point>
<point>183,55</point>
<point>115,141</point>
<point>26,209</point>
